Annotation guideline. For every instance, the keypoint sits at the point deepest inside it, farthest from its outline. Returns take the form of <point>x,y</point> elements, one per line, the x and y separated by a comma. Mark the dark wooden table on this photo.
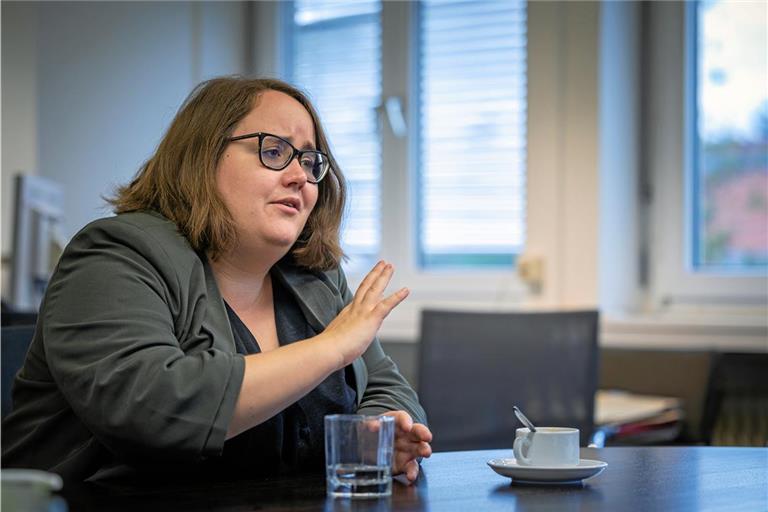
<point>637,478</point>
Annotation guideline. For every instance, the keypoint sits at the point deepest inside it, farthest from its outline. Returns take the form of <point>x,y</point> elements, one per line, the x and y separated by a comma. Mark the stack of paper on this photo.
<point>627,418</point>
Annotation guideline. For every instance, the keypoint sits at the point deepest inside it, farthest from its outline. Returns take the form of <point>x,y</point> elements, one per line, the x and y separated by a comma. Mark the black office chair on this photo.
<point>737,402</point>
<point>12,316</point>
<point>475,366</point>
<point>15,343</point>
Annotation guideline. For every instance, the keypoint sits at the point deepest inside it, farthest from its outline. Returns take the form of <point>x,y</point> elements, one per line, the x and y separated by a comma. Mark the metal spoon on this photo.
<point>525,421</point>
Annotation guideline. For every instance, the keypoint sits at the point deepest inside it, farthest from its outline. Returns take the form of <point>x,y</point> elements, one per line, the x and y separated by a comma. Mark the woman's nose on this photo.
<point>295,173</point>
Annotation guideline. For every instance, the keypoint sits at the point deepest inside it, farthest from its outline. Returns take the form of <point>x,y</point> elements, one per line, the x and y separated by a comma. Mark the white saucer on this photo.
<point>547,475</point>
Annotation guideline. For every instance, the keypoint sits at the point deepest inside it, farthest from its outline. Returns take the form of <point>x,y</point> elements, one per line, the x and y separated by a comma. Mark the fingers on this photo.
<point>415,431</point>
<point>403,421</point>
<point>373,285</point>
<point>372,425</point>
<point>409,467</point>
<point>388,304</point>
<point>412,471</point>
<point>368,280</point>
<point>409,445</point>
<point>407,450</point>
<point>411,438</point>
<point>420,432</point>
<point>373,294</point>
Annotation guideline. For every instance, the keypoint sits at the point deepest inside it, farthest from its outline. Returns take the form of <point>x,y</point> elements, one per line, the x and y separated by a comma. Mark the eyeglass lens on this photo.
<point>276,153</point>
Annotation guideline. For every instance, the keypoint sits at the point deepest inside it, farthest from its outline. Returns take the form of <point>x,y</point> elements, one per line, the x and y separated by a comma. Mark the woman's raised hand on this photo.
<point>356,325</point>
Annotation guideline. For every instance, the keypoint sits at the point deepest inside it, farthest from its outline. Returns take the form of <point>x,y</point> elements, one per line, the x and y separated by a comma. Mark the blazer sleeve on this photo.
<point>387,389</point>
<point>114,316</point>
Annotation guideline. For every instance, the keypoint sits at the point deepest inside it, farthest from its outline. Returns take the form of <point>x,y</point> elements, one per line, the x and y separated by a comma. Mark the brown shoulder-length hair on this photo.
<point>179,180</point>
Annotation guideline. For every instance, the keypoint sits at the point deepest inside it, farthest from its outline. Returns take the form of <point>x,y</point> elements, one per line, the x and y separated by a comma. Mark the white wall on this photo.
<point>19,108</point>
<point>563,145</point>
<point>89,88</point>
<point>620,156</point>
<point>112,75</point>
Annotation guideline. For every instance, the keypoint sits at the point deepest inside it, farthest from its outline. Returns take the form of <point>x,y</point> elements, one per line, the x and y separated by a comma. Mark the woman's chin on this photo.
<point>283,240</point>
<point>275,239</point>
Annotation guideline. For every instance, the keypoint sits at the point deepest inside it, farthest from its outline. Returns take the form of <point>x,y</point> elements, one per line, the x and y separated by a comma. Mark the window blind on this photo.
<point>472,90</point>
<point>337,60</point>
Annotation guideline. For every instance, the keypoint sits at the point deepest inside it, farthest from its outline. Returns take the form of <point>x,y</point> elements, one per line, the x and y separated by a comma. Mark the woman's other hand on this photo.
<point>357,324</point>
<point>411,442</point>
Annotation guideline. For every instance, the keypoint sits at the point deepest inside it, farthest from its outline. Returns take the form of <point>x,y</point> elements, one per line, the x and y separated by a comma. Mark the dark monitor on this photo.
<point>37,240</point>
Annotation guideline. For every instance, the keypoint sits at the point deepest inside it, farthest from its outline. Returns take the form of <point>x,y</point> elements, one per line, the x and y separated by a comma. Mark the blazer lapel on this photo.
<point>320,301</point>
<point>315,295</point>
<point>216,319</point>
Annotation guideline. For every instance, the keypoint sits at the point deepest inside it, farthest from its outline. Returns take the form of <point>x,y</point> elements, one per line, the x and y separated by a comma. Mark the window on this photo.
<point>472,100</point>
<point>702,145</point>
<point>467,142</point>
<point>730,160</point>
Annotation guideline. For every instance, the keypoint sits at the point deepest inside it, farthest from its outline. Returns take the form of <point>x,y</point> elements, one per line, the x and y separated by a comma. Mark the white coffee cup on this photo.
<point>547,447</point>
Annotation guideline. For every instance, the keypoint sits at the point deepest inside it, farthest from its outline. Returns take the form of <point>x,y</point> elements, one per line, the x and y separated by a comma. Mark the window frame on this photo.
<point>675,285</point>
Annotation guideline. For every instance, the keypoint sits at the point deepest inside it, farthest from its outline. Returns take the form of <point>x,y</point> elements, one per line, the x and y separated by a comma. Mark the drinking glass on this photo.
<point>358,455</point>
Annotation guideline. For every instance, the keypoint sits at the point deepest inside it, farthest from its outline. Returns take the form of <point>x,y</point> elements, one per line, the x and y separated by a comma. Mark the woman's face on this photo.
<point>269,207</point>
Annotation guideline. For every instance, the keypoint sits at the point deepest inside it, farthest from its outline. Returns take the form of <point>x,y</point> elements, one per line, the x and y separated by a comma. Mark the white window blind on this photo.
<point>337,60</point>
<point>472,66</point>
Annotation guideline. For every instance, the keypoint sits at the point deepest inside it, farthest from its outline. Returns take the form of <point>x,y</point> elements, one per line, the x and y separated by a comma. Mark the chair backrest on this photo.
<point>10,318</point>
<point>737,405</point>
<point>474,366</point>
<point>15,343</point>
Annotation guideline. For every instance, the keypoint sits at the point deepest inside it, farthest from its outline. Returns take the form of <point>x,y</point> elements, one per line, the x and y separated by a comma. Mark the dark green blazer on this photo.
<point>133,359</point>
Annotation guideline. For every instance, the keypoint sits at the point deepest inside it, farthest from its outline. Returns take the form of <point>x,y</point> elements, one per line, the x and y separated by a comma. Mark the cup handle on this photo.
<point>522,444</point>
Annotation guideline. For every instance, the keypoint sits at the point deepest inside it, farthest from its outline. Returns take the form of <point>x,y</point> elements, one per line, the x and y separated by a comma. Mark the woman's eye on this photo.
<point>272,152</point>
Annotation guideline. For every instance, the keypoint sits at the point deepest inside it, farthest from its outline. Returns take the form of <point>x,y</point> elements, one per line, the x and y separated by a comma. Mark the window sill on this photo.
<point>724,333</point>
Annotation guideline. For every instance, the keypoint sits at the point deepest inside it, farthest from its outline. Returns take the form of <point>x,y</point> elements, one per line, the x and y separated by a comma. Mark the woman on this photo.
<point>208,327</point>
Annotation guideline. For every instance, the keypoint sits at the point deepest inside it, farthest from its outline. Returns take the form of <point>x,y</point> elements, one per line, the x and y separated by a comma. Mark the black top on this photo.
<point>293,440</point>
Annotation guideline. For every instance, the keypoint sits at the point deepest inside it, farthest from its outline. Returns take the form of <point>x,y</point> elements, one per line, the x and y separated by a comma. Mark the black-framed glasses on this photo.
<point>277,153</point>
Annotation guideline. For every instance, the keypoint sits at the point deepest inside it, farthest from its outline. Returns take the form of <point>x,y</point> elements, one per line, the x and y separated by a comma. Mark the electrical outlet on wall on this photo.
<point>531,270</point>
